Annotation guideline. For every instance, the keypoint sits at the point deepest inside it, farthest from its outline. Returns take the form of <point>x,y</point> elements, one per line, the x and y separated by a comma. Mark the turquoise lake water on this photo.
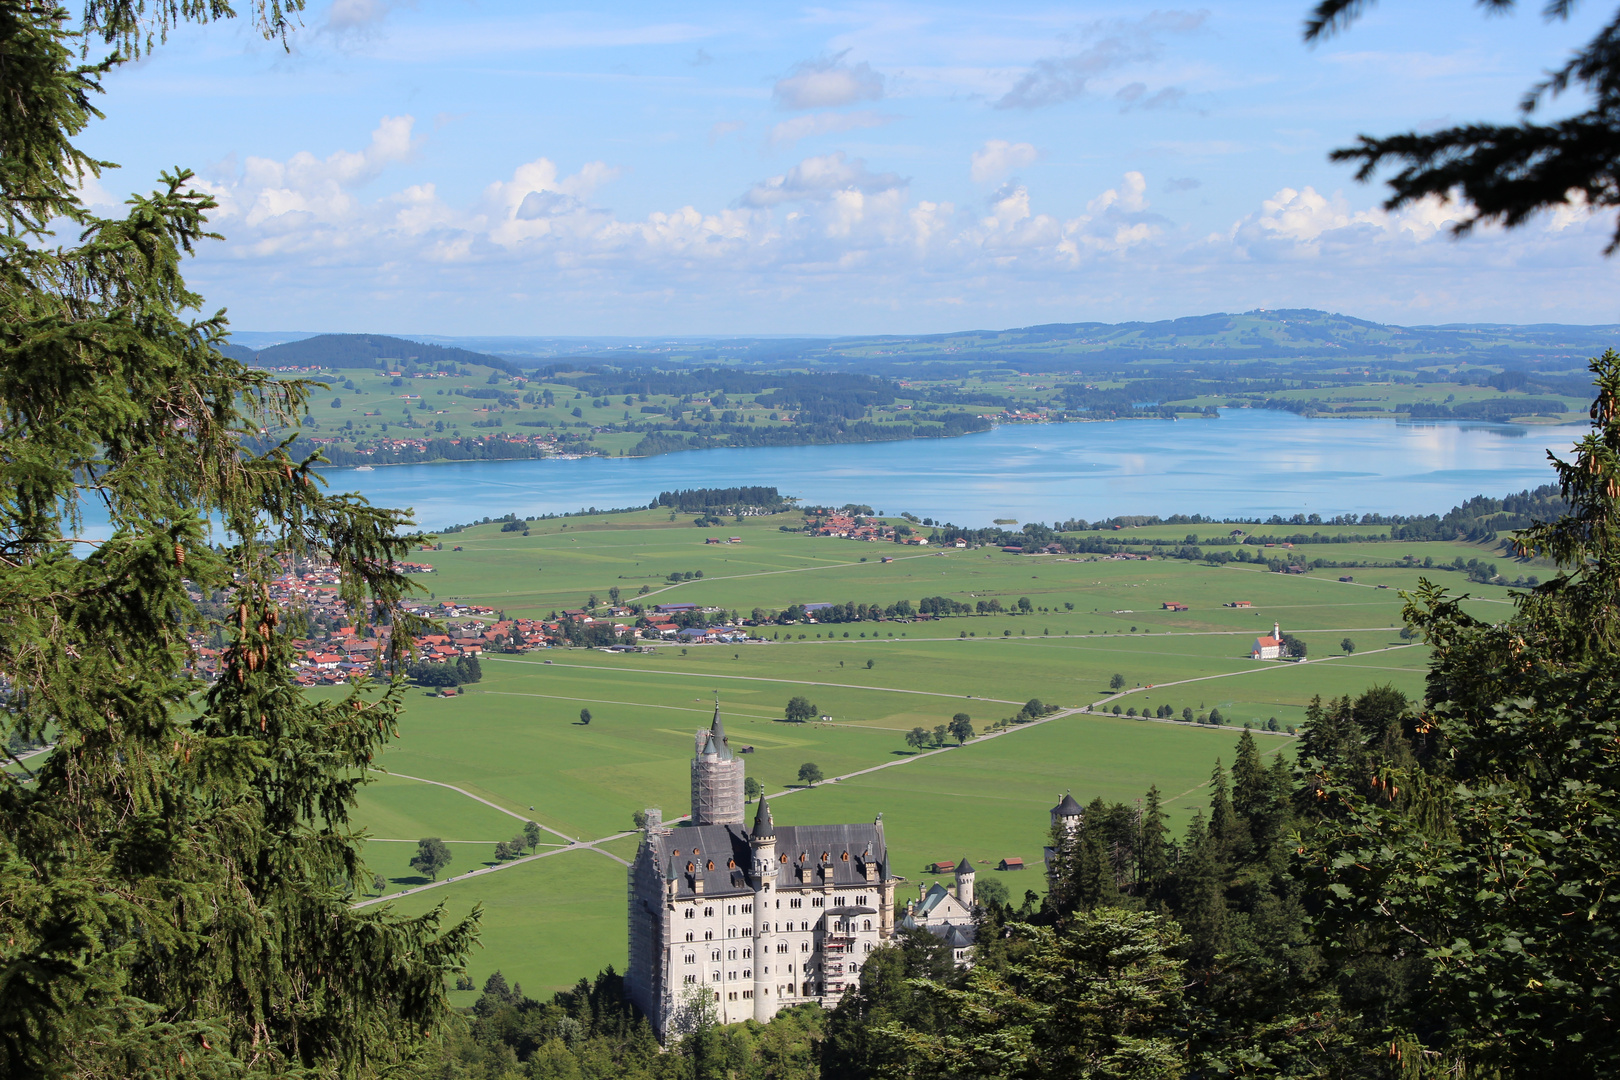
<point>1248,463</point>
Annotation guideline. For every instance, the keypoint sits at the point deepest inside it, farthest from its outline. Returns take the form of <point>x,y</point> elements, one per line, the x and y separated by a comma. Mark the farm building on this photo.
<point>1012,862</point>
<point>1241,603</point>
<point>1174,605</point>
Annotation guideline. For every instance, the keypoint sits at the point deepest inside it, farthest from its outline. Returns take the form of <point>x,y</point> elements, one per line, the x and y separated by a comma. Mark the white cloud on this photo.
<point>1109,46</point>
<point>820,178</point>
<point>723,128</point>
<point>828,83</point>
<point>827,123</point>
<point>1129,196</point>
<point>305,186</point>
<point>831,234</point>
<point>998,157</point>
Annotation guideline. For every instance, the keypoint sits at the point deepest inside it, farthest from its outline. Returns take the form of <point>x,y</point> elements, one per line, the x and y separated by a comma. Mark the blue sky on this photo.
<point>519,168</point>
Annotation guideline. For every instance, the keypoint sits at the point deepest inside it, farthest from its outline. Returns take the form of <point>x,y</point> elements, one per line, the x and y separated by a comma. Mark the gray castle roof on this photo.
<point>717,735</point>
<point>1068,807</point>
<point>963,867</point>
<point>763,826</point>
<point>720,855</point>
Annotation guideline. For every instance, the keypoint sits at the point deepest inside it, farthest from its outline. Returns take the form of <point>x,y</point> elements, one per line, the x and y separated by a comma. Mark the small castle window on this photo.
<point>846,856</point>
<point>731,864</point>
<point>708,911</point>
<point>826,856</point>
<point>783,858</point>
<point>711,864</point>
<point>690,867</point>
<point>691,913</point>
<point>748,909</point>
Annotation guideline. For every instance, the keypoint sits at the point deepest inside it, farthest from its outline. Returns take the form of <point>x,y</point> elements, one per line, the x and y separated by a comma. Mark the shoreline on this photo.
<point>1394,418</point>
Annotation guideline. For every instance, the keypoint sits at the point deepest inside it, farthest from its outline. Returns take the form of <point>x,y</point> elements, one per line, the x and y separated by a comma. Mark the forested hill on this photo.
<point>1314,337</point>
<point>364,350</point>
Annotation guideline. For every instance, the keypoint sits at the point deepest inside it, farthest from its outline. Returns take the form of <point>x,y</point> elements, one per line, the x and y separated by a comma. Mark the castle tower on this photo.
<point>1069,813</point>
<point>717,778</point>
<point>964,883</point>
<point>762,840</point>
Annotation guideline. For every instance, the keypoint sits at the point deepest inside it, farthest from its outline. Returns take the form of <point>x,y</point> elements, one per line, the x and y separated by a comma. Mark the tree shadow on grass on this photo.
<point>410,882</point>
<point>903,753</point>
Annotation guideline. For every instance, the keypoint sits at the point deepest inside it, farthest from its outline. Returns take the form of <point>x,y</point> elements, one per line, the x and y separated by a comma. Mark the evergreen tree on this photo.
<point>175,878</point>
<point>1226,829</point>
<point>1153,863</point>
<point>1094,882</point>
<point>1201,892</point>
<point>1491,861</point>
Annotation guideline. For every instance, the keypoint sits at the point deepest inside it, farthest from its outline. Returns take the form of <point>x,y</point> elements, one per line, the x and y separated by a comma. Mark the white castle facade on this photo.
<point>751,919</point>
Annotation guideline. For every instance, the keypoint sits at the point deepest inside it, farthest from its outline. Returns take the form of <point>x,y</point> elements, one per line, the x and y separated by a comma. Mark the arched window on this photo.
<point>845,856</point>
<point>711,864</point>
<point>868,925</point>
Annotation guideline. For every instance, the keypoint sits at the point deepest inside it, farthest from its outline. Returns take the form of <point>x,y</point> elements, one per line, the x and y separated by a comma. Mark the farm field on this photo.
<point>516,739</point>
<point>563,561</point>
<point>545,923</point>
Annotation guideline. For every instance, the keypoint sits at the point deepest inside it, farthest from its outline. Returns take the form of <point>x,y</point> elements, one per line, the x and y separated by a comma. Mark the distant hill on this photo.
<point>364,350</point>
<point>1300,338</point>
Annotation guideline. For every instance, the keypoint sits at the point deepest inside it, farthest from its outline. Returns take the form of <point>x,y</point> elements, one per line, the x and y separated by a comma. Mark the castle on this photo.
<point>739,922</point>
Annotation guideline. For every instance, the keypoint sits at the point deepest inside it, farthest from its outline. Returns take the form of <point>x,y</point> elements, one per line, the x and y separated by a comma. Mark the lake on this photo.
<point>1248,463</point>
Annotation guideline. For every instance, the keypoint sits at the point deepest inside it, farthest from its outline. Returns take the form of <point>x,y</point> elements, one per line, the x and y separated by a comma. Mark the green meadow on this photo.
<point>515,739</point>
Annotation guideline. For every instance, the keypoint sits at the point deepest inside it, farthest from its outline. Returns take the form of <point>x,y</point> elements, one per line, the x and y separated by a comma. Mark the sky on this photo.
<point>640,169</point>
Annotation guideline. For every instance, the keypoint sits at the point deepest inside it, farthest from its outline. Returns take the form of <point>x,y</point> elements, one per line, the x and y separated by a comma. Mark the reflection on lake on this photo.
<point>1249,463</point>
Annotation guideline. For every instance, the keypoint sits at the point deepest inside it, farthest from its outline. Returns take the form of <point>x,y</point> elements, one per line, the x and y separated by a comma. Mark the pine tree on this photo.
<point>1226,830</point>
<point>1492,863</point>
<point>1250,790</point>
<point>1201,892</point>
<point>175,878</point>
<point>1095,884</point>
<point>1153,862</point>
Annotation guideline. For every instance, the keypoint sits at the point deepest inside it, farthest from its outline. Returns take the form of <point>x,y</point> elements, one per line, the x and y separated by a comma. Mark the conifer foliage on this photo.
<point>175,875</point>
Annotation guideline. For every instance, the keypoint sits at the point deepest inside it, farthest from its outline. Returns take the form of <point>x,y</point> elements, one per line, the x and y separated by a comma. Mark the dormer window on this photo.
<point>846,856</point>
<point>711,864</point>
<point>691,868</point>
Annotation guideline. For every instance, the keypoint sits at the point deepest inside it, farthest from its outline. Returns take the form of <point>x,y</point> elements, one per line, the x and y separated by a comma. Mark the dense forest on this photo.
<point>364,350</point>
<point>703,500</point>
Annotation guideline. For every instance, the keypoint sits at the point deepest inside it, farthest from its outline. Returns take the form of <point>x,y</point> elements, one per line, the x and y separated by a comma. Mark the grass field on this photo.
<point>515,738</point>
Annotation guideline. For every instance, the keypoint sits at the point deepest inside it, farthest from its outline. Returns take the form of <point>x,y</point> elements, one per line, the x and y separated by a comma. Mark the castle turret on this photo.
<point>762,842</point>
<point>717,778</point>
<point>1068,813</point>
<point>964,883</point>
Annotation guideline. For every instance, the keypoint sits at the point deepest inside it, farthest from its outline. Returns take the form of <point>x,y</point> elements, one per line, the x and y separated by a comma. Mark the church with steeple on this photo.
<point>737,922</point>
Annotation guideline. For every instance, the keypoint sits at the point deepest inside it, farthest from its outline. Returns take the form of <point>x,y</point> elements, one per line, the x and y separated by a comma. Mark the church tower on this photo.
<point>717,778</point>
